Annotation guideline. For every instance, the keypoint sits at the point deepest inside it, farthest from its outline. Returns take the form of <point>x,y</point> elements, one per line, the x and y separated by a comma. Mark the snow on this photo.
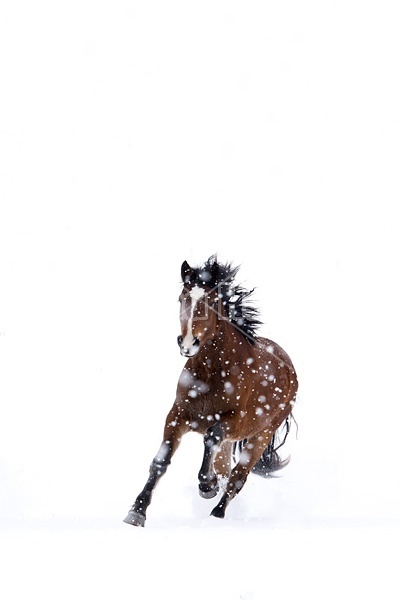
<point>134,136</point>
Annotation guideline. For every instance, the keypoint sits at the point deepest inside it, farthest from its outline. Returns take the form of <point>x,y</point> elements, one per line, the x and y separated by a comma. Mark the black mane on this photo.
<point>234,298</point>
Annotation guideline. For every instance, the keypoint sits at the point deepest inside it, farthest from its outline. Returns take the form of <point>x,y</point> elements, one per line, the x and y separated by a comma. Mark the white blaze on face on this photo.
<point>195,294</point>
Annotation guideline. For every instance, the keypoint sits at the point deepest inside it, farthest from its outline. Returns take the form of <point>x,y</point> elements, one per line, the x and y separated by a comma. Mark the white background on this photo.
<point>133,136</point>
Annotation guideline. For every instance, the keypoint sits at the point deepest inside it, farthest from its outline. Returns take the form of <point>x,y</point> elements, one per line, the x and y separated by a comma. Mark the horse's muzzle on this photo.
<point>188,352</point>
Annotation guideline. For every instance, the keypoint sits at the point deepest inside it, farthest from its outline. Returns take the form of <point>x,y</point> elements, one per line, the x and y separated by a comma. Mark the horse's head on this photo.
<point>199,303</point>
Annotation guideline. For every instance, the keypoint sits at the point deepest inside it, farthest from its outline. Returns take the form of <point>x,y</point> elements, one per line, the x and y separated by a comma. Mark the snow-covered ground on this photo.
<point>134,135</point>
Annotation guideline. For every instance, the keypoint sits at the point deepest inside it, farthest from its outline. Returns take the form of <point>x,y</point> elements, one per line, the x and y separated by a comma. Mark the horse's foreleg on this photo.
<point>208,483</point>
<point>159,465</point>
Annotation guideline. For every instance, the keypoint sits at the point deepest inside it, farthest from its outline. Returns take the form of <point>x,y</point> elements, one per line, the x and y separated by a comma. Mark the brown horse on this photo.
<point>236,389</point>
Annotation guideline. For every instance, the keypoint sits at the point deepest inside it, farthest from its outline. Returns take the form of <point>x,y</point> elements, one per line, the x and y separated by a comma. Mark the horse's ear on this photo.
<point>214,272</point>
<point>186,272</point>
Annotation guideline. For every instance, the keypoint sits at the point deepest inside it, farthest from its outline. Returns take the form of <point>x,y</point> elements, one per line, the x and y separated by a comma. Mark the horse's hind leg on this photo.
<point>248,458</point>
<point>223,460</point>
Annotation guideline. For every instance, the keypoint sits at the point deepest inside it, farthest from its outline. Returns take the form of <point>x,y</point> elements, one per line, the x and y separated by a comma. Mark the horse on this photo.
<point>236,389</point>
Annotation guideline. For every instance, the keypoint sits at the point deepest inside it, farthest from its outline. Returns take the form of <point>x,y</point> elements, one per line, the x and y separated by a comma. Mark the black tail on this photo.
<point>270,460</point>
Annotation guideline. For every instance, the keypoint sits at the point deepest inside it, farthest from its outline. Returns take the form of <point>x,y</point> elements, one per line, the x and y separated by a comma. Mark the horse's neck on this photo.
<point>227,348</point>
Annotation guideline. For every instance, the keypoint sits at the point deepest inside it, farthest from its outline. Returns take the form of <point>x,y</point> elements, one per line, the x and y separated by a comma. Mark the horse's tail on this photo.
<point>270,460</point>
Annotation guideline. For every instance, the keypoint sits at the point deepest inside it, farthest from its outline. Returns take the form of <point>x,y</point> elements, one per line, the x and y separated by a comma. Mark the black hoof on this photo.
<point>218,512</point>
<point>135,518</point>
<point>208,492</point>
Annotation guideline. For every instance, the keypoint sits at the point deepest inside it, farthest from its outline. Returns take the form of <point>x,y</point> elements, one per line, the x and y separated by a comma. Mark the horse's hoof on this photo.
<point>208,493</point>
<point>135,518</point>
<point>218,512</point>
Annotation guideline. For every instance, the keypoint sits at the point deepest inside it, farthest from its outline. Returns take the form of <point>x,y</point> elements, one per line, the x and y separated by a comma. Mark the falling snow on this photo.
<point>229,387</point>
<point>137,135</point>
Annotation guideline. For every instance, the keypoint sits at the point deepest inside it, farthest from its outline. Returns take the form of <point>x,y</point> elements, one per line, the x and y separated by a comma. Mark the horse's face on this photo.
<point>198,317</point>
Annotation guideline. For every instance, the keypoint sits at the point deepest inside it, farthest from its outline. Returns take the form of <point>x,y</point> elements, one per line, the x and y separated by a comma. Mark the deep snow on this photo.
<point>134,136</point>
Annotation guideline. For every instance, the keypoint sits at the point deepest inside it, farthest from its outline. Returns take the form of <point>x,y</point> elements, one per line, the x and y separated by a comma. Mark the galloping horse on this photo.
<point>236,389</point>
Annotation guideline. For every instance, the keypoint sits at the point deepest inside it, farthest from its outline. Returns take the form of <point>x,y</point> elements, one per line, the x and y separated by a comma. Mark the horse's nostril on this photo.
<point>180,340</point>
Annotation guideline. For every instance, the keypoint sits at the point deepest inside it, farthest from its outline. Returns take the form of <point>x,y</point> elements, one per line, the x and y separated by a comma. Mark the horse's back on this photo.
<point>267,346</point>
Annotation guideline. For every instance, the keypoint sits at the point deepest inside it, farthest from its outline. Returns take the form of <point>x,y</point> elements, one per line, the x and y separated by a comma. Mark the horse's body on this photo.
<point>235,387</point>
